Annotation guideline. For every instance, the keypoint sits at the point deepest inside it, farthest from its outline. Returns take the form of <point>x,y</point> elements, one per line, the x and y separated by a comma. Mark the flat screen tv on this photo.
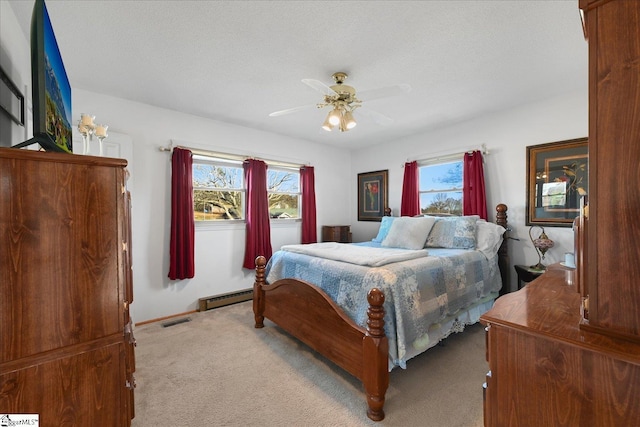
<point>50,87</point>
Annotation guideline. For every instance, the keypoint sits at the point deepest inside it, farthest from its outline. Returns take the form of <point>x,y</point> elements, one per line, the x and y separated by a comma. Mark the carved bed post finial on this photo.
<point>376,356</point>
<point>375,313</point>
<point>258,292</point>
<point>503,252</point>
<point>501,215</point>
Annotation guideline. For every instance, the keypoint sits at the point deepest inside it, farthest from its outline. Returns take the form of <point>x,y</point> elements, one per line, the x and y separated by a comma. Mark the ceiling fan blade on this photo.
<point>383,92</point>
<point>291,110</point>
<point>319,86</point>
<point>378,118</point>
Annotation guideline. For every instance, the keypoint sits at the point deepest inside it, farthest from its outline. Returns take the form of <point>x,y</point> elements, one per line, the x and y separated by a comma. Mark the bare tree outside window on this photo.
<point>283,188</point>
<point>219,193</point>
<point>441,188</point>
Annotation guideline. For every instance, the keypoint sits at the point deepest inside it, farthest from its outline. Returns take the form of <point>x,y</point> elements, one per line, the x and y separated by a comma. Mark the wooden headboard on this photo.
<point>503,252</point>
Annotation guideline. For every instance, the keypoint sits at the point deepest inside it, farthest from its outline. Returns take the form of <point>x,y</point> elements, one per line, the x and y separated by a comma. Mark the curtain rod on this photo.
<point>228,156</point>
<point>446,156</point>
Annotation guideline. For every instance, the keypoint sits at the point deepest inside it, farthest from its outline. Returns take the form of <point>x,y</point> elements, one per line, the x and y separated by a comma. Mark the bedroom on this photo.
<point>558,113</point>
<point>599,332</point>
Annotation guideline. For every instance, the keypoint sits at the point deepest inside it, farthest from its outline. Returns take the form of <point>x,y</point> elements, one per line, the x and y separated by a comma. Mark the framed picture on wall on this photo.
<point>372,195</point>
<point>557,178</point>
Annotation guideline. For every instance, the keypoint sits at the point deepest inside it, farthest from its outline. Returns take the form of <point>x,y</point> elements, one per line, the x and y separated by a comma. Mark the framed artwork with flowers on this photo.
<point>557,180</point>
<point>372,195</point>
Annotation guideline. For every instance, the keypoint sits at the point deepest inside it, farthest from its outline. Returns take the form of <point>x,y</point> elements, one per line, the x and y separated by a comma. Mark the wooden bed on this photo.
<point>306,312</point>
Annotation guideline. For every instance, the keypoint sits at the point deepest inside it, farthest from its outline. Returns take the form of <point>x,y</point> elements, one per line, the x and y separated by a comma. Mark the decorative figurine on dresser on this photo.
<point>568,354</point>
<point>66,344</point>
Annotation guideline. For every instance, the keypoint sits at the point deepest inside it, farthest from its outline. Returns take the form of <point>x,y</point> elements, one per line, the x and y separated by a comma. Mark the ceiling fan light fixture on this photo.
<point>341,99</point>
<point>335,116</point>
<point>350,122</point>
<point>327,124</point>
<point>343,124</point>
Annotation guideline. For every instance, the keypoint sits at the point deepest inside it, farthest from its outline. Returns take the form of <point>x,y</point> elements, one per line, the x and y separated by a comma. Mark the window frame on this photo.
<point>232,162</point>
<point>217,161</point>
<point>452,159</point>
<point>298,193</point>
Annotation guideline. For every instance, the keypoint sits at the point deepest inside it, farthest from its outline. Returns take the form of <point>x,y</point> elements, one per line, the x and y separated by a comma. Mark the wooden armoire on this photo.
<point>66,343</point>
<point>563,354</point>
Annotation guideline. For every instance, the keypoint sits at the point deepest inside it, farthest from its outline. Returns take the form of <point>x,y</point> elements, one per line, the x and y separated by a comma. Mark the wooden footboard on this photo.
<point>307,313</point>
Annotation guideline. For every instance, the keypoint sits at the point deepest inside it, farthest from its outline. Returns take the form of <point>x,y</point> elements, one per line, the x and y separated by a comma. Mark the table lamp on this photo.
<point>542,244</point>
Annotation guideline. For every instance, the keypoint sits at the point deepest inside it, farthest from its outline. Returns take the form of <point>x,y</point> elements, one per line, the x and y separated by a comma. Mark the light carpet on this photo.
<point>218,370</point>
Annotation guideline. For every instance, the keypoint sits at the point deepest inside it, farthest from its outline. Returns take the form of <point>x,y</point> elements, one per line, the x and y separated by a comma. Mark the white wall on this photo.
<point>219,248</point>
<point>506,135</point>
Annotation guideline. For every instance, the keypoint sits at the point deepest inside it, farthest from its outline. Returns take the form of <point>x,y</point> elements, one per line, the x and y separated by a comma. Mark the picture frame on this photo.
<point>557,180</point>
<point>372,195</point>
<point>11,99</point>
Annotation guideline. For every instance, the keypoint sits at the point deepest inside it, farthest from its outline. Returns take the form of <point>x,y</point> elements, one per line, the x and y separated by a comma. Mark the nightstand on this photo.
<point>526,274</point>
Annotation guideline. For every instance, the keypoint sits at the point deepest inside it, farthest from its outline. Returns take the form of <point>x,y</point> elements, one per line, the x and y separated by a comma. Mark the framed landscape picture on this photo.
<point>557,179</point>
<point>372,195</point>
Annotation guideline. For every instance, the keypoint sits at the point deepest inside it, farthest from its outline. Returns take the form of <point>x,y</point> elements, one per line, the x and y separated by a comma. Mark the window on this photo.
<point>283,190</point>
<point>218,189</point>
<point>441,187</point>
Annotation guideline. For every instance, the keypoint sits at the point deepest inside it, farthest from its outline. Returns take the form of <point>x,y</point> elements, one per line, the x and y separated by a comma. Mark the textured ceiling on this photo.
<point>237,61</point>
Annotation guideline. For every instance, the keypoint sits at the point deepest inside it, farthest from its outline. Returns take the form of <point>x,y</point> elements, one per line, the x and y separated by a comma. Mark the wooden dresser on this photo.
<point>336,233</point>
<point>562,355</point>
<point>66,343</point>
<point>546,371</point>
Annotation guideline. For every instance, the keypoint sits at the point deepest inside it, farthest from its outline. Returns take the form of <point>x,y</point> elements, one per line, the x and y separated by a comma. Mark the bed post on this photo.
<point>258,292</point>
<point>375,349</point>
<point>503,252</point>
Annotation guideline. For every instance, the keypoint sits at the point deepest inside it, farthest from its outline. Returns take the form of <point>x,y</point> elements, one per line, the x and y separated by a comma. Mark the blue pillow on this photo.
<point>385,226</point>
<point>456,232</point>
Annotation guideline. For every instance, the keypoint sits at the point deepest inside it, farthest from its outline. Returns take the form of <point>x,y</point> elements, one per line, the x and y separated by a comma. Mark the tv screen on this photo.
<point>50,86</point>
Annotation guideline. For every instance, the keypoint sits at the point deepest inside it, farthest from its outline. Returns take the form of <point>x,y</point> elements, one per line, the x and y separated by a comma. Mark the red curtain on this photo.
<point>307,183</point>
<point>474,199</point>
<point>181,244</point>
<point>410,204</point>
<point>258,239</point>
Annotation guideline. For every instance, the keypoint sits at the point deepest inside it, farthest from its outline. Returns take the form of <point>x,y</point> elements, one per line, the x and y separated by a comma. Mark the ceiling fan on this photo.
<point>343,102</point>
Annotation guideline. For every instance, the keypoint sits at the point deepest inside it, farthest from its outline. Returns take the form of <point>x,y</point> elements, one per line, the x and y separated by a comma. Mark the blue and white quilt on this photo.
<point>420,293</point>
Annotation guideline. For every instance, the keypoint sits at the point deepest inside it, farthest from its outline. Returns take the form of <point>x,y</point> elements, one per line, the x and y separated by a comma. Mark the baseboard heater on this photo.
<point>221,300</point>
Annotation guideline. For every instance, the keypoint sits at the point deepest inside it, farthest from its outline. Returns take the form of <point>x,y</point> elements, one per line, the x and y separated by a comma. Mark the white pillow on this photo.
<point>408,232</point>
<point>488,237</point>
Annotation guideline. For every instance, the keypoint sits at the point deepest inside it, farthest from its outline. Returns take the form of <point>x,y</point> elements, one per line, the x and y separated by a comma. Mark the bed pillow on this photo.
<point>385,225</point>
<point>488,237</point>
<point>457,232</point>
<point>408,233</point>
